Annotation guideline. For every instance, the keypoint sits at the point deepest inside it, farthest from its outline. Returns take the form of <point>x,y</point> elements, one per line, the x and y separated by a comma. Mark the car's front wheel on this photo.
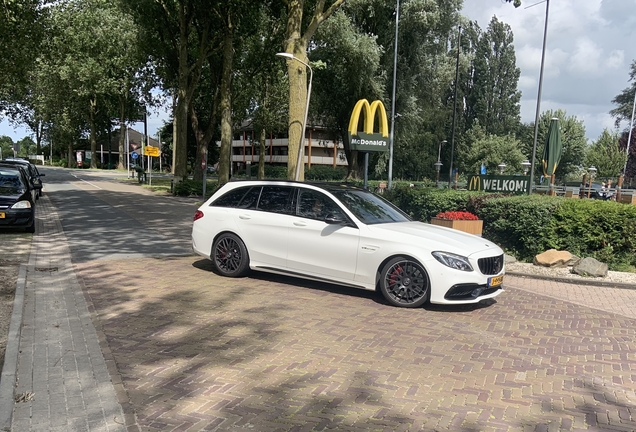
<point>229,256</point>
<point>404,283</point>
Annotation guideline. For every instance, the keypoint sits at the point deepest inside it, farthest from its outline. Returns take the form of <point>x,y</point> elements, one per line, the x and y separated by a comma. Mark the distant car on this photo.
<point>17,199</point>
<point>345,235</point>
<point>596,191</point>
<point>33,172</point>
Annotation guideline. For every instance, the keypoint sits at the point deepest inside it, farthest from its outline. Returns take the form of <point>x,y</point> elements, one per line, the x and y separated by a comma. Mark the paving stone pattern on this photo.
<point>63,383</point>
<point>195,351</point>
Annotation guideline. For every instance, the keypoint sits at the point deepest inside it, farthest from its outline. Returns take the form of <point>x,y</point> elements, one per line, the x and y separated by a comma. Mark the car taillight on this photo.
<point>198,215</point>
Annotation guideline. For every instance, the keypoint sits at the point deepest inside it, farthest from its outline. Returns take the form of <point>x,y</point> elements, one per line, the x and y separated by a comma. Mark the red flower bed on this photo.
<point>457,215</point>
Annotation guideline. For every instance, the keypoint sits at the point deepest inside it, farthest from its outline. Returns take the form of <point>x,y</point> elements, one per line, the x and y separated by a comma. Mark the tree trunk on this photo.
<point>226,107</point>
<point>180,133</point>
<point>261,156</point>
<point>93,133</point>
<point>297,46</point>
<point>122,134</point>
<point>70,160</point>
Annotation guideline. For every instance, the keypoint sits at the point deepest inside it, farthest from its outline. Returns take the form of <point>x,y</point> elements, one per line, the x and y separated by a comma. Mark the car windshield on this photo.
<point>369,208</point>
<point>9,183</point>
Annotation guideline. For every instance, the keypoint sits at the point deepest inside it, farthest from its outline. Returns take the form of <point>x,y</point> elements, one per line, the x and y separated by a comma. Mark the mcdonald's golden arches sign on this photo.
<point>368,140</point>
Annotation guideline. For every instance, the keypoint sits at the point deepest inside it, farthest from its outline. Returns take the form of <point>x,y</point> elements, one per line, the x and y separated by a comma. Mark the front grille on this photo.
<point>491,265</point>
<point>469,291</point>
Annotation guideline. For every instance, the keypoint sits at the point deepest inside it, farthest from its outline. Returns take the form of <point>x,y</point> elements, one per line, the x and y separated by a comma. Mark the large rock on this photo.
<point>553,258</point>
<point>590,267</point>
<point>509,259</point>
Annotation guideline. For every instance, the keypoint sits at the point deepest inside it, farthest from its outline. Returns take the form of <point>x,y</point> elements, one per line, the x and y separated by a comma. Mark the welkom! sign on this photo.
<point>504,184</point>
<point>367,140</point>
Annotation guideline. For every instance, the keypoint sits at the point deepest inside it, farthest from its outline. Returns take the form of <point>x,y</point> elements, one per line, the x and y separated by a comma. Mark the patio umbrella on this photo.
<point>552,152</point>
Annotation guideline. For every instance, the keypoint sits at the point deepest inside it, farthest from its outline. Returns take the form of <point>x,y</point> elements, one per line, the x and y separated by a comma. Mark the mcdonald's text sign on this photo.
<point>368,140</point>
<point>504,184</point>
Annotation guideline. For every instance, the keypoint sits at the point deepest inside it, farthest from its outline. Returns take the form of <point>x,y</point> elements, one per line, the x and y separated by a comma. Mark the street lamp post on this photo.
<point>502,167</point>
<point>301,145</point>
<point>438,164</point>
<point>536,116</point>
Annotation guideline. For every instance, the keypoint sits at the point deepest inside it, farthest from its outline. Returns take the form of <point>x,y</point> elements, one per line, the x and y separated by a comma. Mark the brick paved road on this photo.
<point>199,352</point>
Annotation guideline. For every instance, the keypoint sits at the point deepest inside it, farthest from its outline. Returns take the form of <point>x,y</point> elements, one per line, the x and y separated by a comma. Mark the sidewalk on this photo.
<point>61,379</point>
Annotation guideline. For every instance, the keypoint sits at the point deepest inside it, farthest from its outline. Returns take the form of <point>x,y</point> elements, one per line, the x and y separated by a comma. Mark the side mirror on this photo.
<point>337,219</point>
<point>41,175</point>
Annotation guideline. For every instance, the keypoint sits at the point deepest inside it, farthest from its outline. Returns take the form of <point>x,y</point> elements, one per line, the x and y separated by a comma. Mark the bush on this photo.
<point>190,187</point>
<point>601,229</point>
<point>519,224</point>
<point>424,203</point>
<point>325,173</point>
<point>525,226</point>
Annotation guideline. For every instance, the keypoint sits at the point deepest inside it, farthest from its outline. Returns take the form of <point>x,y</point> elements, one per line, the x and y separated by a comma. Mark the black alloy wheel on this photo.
<point>229,256</point>
<point>405,283</point>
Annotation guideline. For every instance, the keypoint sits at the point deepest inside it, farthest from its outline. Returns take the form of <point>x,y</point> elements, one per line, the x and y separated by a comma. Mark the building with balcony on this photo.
<point>320,149</point>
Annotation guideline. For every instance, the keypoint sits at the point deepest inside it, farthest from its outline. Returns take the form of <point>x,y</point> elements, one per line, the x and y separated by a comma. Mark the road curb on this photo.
<point>586,282</point>
<point>10,367</point>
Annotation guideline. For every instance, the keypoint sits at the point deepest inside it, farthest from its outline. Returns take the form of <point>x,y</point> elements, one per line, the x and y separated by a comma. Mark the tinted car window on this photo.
<point>370,208</point>
<point>232,198</point>
<point>275,199</point>
<point>250,199</point>
<point>314,205</point>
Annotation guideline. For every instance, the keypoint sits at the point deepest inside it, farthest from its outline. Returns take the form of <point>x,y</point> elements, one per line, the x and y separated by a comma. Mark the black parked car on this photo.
<point>32,172</point>
<point>17,199</point>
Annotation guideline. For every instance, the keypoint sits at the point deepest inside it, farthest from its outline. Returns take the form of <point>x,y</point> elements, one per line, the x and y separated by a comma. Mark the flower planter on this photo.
<point>468,226</point>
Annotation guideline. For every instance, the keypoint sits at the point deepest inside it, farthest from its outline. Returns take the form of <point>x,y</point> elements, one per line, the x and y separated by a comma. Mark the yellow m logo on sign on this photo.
<point>369,117</point>
<point>474,183</point>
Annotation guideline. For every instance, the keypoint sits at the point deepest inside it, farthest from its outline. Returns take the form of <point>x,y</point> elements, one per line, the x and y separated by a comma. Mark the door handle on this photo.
<point>300,223</point>
<point>245,217</point>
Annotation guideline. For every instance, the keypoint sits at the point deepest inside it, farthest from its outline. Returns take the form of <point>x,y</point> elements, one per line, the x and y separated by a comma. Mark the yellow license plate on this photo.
<point>2,216</point>
<point>495,281</point>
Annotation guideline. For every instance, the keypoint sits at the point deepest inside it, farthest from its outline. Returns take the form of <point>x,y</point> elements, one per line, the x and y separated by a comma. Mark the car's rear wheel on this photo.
<point>229,256</point>
<point>405,283</point>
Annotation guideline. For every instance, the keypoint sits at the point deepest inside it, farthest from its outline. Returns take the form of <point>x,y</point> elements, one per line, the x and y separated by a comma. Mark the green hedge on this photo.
<point>525,226</point>
<point>189,187</point>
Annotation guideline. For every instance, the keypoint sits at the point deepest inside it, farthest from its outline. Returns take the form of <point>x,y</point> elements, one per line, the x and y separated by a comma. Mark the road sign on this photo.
<point>152,151</point>
<point>134,155</point>
<point>203,164</point>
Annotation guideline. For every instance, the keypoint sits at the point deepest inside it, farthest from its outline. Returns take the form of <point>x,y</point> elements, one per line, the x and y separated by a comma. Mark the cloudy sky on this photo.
<point>590,47</point>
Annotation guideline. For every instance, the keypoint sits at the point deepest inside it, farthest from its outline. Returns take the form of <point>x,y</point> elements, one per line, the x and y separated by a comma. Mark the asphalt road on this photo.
<point>105,219</point>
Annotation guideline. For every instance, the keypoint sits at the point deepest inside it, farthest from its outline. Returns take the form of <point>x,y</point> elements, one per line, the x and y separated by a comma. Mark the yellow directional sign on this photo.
<point>152,151</point>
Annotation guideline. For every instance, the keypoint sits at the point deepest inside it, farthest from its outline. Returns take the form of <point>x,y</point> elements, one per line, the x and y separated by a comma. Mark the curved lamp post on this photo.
<point>301,145</point>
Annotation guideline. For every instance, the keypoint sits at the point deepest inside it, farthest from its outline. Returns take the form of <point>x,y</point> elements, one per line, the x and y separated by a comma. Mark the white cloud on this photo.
<point>616,59</point>
<point>589,51</point>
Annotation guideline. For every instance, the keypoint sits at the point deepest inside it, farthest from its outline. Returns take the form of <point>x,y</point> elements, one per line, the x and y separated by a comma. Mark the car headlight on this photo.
<point>21,205</point>
<point>453,261</point>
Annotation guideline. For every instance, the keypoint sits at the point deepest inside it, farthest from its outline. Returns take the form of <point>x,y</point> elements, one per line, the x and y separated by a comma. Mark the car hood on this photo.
<point>435,237</point>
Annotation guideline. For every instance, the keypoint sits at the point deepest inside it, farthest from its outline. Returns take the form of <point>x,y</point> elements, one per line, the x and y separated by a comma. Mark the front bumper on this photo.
<point>21,218</point>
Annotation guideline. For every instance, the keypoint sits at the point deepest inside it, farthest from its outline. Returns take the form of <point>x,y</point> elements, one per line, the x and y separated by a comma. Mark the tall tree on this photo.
<point>347,69</point>
<point>630,171</point>
<point>625,100</point>
<point>301,27</point>
<point>178,35</point>
<point>494,97</point>
<point>482,148</point>
<point>606,155</point>
<point>20,35</point>
<point>572,137</point>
